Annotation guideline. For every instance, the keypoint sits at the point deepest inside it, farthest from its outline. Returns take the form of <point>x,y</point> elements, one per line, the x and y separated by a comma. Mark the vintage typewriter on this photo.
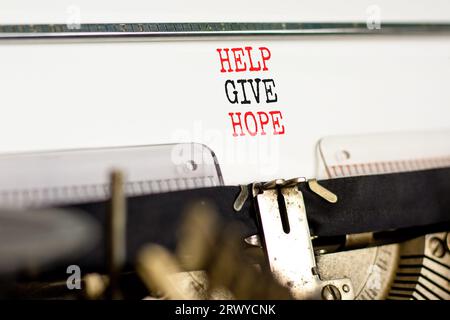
<point>225,160</point>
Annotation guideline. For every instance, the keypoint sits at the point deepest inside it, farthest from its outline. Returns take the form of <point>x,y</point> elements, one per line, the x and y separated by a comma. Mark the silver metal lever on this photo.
<point>291,255</point>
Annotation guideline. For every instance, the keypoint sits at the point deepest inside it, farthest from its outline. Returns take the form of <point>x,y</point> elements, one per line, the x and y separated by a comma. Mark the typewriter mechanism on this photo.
<point>114,238</point>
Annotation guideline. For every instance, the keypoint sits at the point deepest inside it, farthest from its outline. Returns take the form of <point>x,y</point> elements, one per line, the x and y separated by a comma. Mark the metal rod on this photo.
<point>178,31</point>
<point>116,233</point>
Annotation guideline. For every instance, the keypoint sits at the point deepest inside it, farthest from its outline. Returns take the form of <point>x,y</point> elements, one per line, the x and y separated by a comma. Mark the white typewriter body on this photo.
<point>72,94</point>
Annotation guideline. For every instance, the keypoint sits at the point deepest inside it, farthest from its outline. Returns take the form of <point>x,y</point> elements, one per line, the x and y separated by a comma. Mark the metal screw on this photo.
<point>191,165</point>
<point>437,247</point>
<point>253,241</point>
<point>342,155</point>
<point>330,292</point>
<point>345,288</point>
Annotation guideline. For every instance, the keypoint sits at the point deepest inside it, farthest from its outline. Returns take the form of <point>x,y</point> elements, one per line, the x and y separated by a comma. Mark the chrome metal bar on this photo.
<point>166,31</point>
